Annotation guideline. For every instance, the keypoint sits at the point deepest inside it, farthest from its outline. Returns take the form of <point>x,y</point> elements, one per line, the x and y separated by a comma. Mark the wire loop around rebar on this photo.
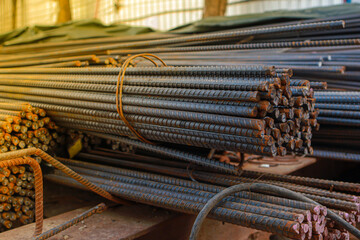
<point>119,90</point>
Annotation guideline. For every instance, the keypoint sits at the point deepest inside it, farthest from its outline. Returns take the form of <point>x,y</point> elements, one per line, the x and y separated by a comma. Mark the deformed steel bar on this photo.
<point>336,154</point>
<point>246,70</point>
<point>71,43</point>
<point>172,153</point>
<point>223,134</point>
<point>250,96</point>
<point>240,111</point>
<point>336,106</point>
<point>108,153</point>
<point>233,180</point>
<point>145,119</point>
<point>97,209</point>
<point>48,61</point>
<point>338,99</point>
<point>64,81</point>
<point>190,196</point>
<point>264,141</point>
<point>229,181</point>
<point>252,123</point>
<point>192,38</point>
<point>191,189</point>
<point>339,121</point>
<point>339,113</point>
<point>298,188</point>
<point>63,64</point>
<point>315,182</point>
<point>179,139</point>
<point>105,172</point>
<point>265,45</point>
<point>260,222</point>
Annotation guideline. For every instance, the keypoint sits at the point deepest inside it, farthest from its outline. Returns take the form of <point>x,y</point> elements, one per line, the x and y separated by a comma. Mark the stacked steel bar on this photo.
<point>321,53</point>
<point>191,39</point>
<point>303,221</point>
<point>240,108</point>
<point>24,126</point>
<point>339,136</point>
<point>16,196</point>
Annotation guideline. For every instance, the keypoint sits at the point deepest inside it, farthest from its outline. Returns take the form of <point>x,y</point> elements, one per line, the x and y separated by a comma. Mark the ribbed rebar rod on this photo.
<point>339,121</point>
<point>337,99</point>
<point>158,190</point>
<point>285,44</point>
<point>46,61</point>
<point>164,151</point>
<point>307,189</point>
<point>227,82</point>
<point>194,38</point>
<point>257,124</point>
<point>339,113</point>
<point>331,202</point>
<point>246,70</point>
<point>316,182</point>
<point>13,160</point>
<point>139,101</point>
<point>103,171</point>
<point>87,82</point>
<point>143,119</point>
<point>233,181</point>
<point>331,154</point>
<point>46,157</point>
<point>287,228</point>
<point>177,138</point>
<point>335,106</point>
<point>88,213</point>
<point>259,187</point>
<point>251,96</point>
<point>146,128</point>
<point>119,179</point>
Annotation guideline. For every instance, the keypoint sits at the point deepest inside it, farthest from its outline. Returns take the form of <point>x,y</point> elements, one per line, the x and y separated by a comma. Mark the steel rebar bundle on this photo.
<point>262,117</point>
<point>24,126</point>
<point>339,137</point>
<point>151,183</point>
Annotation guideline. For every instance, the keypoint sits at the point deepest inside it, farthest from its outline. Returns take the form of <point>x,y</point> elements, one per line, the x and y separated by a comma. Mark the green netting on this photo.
<point>248,20</point>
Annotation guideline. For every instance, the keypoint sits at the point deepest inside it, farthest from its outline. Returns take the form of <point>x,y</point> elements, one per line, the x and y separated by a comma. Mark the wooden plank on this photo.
<point>281,167</point>
<point>214,230</point>
<point>122,222</point>
<point>14,14</point>
<point>213,8</point>
<point>64,11</point>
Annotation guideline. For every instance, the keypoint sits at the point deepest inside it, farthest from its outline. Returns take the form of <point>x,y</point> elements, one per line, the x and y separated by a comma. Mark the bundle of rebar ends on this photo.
<point>17,195</point>
<point>24,126</point>
<point>254,97</point>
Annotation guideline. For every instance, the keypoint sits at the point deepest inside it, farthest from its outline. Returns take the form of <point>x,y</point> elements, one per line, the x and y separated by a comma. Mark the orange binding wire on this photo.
<point>119,90</point>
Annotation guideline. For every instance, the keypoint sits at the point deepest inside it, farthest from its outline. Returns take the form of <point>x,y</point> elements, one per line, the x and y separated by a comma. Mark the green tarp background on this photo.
<point>85,29</point>
<point>72,30</point>
<point>248,20</point>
